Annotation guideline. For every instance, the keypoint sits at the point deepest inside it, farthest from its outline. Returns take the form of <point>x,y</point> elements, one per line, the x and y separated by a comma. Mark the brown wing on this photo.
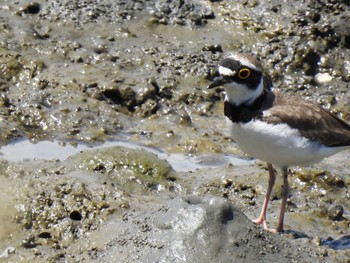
<point>314,122</point>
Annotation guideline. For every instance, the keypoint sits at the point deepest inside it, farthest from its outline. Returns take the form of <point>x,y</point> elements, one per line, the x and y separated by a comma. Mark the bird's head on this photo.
<point>242,78</point>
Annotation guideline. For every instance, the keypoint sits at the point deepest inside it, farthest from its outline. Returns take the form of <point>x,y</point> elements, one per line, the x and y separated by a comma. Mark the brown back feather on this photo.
<point>314,122</point>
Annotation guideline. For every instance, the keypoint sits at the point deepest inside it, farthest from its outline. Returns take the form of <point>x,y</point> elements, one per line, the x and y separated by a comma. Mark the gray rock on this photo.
<point>196,229</point>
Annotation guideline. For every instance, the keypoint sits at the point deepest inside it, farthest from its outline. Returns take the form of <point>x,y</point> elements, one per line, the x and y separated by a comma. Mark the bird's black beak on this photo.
<point>218,81</point>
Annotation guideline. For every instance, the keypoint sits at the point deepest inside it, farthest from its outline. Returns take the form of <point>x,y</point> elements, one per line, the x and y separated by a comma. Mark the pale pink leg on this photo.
<point>285,192</point>
<point>262,218</point>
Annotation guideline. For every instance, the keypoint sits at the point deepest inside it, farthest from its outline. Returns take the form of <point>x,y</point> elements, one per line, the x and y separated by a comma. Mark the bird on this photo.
<point>278,128</point>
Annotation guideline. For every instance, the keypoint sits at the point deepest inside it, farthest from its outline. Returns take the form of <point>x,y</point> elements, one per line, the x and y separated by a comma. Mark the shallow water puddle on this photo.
<point>24,150</point>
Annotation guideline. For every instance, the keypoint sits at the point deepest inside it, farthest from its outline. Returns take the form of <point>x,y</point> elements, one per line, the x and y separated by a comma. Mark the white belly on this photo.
<point>278,144</point>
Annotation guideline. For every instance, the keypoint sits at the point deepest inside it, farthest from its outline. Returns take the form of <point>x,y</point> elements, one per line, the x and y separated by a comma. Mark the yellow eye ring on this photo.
<point>244,73</point>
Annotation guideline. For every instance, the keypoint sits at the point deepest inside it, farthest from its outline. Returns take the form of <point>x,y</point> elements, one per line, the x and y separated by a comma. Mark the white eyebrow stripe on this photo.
<point>225,71</point>
<point>245,62</point>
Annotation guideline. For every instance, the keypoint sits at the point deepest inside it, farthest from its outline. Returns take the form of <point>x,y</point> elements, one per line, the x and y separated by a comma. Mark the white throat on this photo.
<point>239,93</point>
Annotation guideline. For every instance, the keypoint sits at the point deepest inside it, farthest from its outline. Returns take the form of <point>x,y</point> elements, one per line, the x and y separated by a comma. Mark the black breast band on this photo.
<point>245,112</point>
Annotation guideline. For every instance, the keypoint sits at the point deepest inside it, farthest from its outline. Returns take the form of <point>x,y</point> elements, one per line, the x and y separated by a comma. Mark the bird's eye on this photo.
<point>244,73</point>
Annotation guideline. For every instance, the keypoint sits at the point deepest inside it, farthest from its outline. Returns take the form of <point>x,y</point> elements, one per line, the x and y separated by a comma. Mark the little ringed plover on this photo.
<point>274,127</point>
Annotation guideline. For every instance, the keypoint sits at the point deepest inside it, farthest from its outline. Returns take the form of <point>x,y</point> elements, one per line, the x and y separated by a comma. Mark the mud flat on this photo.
<point>113,149</point>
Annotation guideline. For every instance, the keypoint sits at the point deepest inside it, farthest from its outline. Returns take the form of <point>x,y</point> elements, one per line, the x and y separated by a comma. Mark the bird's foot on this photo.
<point>262,221</point>
<point>259,220</point>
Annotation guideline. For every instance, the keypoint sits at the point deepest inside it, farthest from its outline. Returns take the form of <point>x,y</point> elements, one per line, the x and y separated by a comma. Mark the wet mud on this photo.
<point>82,74</point>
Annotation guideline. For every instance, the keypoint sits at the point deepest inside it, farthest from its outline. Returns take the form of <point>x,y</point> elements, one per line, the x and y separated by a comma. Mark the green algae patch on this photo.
<point>130,168</point>
<point>319,179</point>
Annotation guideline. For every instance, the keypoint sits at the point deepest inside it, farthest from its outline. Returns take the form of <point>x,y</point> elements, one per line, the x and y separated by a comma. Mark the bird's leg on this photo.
<point>285,192</point>
<point>262,218</point>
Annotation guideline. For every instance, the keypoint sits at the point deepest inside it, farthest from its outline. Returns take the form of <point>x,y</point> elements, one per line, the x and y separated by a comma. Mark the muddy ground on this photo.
<point>82,72</point>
